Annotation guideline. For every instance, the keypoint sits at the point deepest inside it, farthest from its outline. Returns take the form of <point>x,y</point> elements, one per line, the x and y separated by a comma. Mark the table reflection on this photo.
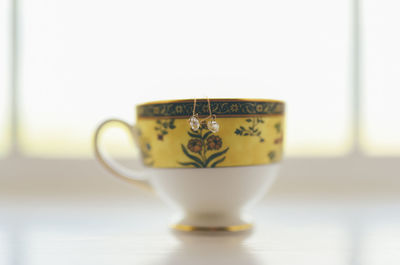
<point>210,248</point>
<point>284,234</point>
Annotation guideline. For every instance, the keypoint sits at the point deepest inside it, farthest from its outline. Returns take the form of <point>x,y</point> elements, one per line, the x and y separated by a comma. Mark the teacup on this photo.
<point>211,175</point>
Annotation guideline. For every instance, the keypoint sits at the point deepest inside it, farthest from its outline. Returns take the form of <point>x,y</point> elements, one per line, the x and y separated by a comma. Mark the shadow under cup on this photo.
<point>210,177</point>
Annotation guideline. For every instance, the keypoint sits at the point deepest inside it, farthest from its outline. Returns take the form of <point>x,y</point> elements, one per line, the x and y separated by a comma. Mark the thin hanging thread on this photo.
<point>209,111</point>
<point>194,107</point>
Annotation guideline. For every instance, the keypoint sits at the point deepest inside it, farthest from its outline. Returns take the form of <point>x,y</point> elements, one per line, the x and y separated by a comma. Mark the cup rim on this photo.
<point>166,101</point>
<point>221,107</point>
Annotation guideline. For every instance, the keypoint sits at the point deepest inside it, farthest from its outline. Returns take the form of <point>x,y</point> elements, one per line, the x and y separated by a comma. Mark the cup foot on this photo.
<point>228,222</point>
<point>230,228</point>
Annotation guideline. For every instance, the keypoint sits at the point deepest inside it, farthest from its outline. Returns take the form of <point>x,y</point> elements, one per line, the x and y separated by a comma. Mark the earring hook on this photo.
<point>195,123</point>
<point>209,111</point>
<point>194,120</point>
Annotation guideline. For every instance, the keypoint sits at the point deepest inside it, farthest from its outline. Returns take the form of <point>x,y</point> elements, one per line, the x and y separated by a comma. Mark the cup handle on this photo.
<point>137,176</point>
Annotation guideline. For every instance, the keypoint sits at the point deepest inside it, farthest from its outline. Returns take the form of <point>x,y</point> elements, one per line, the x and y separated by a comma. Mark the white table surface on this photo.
<point>133,230</point>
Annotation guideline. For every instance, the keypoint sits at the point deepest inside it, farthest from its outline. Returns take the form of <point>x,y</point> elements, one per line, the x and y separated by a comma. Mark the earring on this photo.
<point>213,124</point>
<point>194,120</point>
<point>195,123</point>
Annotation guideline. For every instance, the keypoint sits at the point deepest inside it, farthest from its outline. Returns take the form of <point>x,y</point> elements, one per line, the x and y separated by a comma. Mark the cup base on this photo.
<point>228,222</point>
<point>231,228</point>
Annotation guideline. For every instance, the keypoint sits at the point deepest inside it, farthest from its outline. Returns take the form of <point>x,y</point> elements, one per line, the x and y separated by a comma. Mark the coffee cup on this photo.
<point>209,159</point>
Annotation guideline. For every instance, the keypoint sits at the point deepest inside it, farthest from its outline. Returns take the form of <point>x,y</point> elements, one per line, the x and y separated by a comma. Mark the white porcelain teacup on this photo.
<point>210,178</point>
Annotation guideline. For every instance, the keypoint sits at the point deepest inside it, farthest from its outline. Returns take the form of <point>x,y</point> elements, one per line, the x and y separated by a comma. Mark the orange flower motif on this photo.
<point>199,144</point>
<point>278,140</point>
<point>195,145</point>
<point>214,142</point>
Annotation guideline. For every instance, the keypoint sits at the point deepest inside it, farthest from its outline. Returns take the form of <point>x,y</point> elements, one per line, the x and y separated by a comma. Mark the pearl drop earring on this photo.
<point>213,124</point>
<point>194,119</point>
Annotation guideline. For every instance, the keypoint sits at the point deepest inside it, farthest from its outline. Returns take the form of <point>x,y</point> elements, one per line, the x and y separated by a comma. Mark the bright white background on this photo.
<point>84,61</point>
<point>335,63</point>
<point>381,83</point>
<point>4,75</point>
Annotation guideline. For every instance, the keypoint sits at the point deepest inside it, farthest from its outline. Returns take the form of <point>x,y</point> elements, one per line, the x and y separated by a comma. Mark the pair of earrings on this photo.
<point>195,122</point>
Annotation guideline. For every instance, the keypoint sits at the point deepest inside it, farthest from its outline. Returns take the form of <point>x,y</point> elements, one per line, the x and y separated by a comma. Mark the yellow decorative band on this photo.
<point>240,141</point>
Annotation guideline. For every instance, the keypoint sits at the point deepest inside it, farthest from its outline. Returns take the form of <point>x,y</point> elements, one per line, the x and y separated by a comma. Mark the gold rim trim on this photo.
<point>211,100</point>
<point>231,228</point>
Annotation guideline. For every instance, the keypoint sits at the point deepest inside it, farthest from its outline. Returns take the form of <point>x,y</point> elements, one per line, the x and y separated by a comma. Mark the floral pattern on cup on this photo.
<point>272,155</point>
<point>202,148</point>
<point>277,142</point>
<point>163,126</point>
<point>251,129</point>
<point>278,130</point>
<point>145,149</point>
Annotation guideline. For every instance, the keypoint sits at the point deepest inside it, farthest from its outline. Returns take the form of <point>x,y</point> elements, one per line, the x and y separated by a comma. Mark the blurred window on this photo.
<point>4,75</point>
<point>381,96</point>
<point>84,61</point>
